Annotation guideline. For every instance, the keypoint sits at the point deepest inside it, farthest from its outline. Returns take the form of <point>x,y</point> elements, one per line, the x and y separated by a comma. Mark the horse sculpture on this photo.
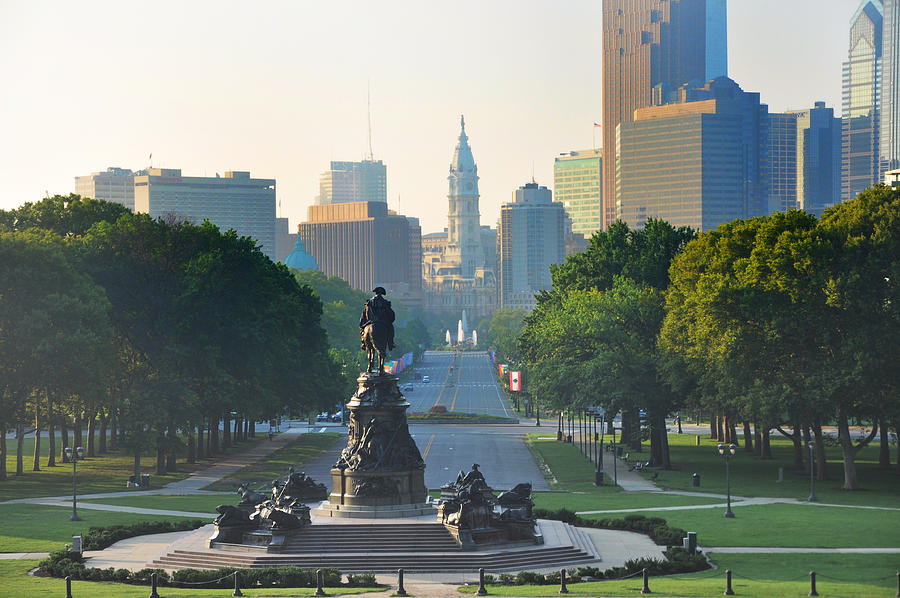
<point>375,339</point>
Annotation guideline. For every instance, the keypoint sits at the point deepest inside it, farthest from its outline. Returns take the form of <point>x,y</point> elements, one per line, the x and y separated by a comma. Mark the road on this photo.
<point>465,383</point>
<point>499,449</point>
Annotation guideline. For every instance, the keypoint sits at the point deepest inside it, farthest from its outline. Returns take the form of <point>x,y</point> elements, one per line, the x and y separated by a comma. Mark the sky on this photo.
<point>280,88</point>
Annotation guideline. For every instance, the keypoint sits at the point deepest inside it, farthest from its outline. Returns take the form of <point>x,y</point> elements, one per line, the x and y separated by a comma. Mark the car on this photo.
<point>409,387</point>
<point>450,384</point>
<point>426,379</point>
<point>337,416</point>
<point>323,417</point>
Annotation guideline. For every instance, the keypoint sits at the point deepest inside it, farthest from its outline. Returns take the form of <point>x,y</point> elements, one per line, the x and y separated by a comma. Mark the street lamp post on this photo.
<point>727,451</point>
<point>75,456</point>
<point>812,479</point>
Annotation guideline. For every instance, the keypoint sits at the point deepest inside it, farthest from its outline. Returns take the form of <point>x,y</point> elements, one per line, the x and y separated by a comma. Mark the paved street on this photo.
<point>469,387</point>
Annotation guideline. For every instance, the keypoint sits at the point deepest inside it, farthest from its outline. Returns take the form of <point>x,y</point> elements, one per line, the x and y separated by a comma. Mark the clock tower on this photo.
<point>464,221</point>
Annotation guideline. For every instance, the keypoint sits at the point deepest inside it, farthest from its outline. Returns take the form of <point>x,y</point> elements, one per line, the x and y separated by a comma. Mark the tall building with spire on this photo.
<point>459,265</point>
<point>649,44</point>
<point>463,218</point>
<point>860,126</point>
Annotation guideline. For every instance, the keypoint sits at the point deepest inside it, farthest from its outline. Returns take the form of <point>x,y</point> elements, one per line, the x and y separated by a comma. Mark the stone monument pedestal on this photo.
<point>381,472</point>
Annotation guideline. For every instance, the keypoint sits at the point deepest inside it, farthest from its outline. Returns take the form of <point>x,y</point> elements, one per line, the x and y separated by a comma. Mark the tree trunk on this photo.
<point>659,446</point>
<point>20,439</point>
<point>757,434</point>
<point>51,434</point>
<point>237,429</point>
<point>806,440</point>
<point>766,451</point>
<point>113,429</point>
<point>821,463</point>
<point>137,462</point>
<point>798,449</point>
<point>720,427</point>
<point>36,461</point>
<point>226,432</point>
<point>200,454</point>
<point>884,451</point>
<point>848,453</point>
<point>91,428</point>
<point>171,465</point>
<point>748,437</point>
<point>160,453</point>
<point>191,446</point>
<point>64,442</point>
<point>213,438</point>
<point>3,475</point>
<point>77,440</point>
<point>104,421</point>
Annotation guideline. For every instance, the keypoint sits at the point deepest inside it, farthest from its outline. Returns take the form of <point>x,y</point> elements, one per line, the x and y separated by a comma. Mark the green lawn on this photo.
<point>751,476</point>
<point>296,454</point>
<point>106,473</point>
<point>801,526</point>
<point>200,503</point>
<point>14,581</point>
<point>39,528</point>
<point>612,498</point>
<point>769,575</point>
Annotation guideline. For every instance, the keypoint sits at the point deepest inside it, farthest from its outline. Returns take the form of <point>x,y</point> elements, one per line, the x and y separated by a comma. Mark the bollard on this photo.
<point>69,586</point>
<point>320,581</point>
<point>482,591</point>
<point>153,593</point>
<point>237,584</point>
<point>812,584</point>
<point>562,582</point>
<point>728,590</point>
<point>646,588</point>
<point>698,441</point>
<point>898,584</point>
<point>401,591</point>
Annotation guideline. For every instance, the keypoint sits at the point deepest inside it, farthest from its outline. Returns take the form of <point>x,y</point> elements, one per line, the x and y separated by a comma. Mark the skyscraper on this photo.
<point>889,134</point>
<point>698,162</point>
<point>647,43</point>
<point>782,151</point>
<point>115,185</point>
<point>818,158</point>
<point>578,185</point>
<point>532,237</point>
<point>234,201</point>
<point>349,182</point>
<point>860,127</point>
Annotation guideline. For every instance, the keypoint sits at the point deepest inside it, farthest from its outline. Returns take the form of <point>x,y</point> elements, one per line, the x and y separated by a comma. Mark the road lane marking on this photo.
<point>428,447</point>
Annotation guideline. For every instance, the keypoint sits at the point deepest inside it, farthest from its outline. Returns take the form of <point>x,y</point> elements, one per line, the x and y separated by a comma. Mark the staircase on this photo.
<point>385,548</point>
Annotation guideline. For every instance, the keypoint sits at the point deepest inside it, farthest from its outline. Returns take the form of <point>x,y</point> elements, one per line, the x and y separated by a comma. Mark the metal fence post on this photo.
<point>237,584</point>
<point>482,591</point>
<point>401,591</point>
<point>562,582</point>
<point>69,586</point>
<point>153,593</point>
<point>812,584</point>
<point>728,590</point>
<point>646,588</point>
<point>320,581</point>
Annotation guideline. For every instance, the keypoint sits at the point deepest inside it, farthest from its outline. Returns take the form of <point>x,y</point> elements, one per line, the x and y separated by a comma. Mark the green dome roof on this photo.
<point>300,259</point>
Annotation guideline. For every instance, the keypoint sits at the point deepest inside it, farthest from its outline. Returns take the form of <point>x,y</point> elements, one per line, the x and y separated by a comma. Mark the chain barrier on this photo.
<point>200,583</point>
<point>805,576</point>
<point>855,579</point>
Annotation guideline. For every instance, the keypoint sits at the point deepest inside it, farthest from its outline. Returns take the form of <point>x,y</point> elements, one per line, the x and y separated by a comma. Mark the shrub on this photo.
<point>361,580</point>
<point>98,538</point>
<point>438,409</point>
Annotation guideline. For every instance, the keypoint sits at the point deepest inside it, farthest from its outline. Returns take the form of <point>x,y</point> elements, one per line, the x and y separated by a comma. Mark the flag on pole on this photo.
<point>515,380</point>
<point>597,125</point>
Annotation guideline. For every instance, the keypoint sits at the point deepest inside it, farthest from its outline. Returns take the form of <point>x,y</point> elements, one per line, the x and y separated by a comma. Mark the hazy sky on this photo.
<point>279,88</point>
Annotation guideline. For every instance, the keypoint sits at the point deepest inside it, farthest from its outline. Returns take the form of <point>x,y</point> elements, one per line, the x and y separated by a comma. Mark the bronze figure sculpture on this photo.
<point>376,330</point>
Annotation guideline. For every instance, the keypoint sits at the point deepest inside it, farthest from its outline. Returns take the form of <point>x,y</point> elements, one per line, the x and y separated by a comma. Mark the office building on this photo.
<point>860,161</point>
<point>367,245</point>
<point>578,186</point>
<point>889,108</point>
<point>114,184</point>
<point>650,43</point>
<point>234,201</point>
<point>348,182</point>
<point>532,237</point>
<point>782,153</point>
<point>698,162</point>
<point>284,239</point>
<point>459,264</point>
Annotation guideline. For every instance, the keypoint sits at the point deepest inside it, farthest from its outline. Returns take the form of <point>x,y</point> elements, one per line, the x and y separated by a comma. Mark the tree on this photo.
<point>69,215</point>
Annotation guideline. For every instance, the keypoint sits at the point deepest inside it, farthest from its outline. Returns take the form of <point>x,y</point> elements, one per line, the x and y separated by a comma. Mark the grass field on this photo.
<point>40,528</point>
<point>105,473</point>
<point>769,575</point>
<point>199,503</point>
<point>15,582</point>
<point>788,525</point>
<point>296,454</point>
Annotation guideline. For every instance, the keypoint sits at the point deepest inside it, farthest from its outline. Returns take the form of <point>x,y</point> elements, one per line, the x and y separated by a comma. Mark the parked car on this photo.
<point>337,416</point>
<point>409,386</point>
<point>323,417</point>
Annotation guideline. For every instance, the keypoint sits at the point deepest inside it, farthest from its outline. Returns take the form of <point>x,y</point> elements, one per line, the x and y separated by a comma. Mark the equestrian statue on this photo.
<point>376,330</point>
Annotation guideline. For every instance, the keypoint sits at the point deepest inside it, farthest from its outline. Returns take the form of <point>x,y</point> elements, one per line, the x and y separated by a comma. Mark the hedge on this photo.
<point>98,538</point>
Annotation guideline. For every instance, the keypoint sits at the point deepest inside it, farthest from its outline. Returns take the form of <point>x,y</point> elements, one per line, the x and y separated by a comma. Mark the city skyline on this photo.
<point>278,102</point>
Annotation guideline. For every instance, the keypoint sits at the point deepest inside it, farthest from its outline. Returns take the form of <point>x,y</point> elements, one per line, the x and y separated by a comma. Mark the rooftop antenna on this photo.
<point>369,116</point>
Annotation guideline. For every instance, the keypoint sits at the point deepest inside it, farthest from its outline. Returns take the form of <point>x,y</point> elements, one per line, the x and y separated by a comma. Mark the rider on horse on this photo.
<point>378,309</point>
